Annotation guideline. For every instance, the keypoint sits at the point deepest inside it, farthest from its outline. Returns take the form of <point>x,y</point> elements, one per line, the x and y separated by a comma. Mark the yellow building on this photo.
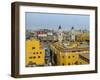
<point>82,37</point>
<point>35,54</point>
<point>69,56</point>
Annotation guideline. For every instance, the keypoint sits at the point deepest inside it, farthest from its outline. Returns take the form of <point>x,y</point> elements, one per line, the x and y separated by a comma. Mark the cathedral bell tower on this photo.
<point>60,34</point>
<point>72,34</point>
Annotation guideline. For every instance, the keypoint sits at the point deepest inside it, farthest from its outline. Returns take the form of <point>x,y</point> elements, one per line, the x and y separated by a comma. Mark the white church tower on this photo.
<point>60,34</point>
<point>72,34</point>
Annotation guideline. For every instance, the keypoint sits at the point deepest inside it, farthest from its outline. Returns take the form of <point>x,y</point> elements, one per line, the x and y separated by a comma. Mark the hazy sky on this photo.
<point>52,21</point>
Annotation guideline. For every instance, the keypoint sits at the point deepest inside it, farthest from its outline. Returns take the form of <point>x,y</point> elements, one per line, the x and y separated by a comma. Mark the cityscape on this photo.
<point>58,46</point>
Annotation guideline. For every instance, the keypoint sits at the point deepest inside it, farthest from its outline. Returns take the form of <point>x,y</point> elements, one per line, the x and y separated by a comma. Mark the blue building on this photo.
<point>47,55</point>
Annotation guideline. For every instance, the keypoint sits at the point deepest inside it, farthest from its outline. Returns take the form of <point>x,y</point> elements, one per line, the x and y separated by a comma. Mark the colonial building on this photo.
<point>35,54</point>
<point>70,56</point>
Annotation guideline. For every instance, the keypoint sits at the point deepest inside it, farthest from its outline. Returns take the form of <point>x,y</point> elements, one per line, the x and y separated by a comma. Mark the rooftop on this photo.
<point>61,48</point>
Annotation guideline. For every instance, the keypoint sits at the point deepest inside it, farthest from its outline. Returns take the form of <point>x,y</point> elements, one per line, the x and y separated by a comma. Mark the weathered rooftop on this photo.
<point>67,49</point>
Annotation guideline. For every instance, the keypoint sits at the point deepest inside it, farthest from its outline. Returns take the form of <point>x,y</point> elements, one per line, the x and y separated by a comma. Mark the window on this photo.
<point>33,52</point>
<point>40,52</point>
<point>62,56</point>
<point>80,62</point>
<point>34,57</point>
<point>79,51</point>
<point>73,56</point>
<point>68,56</point>
<point>30,57</point>
<point>74,51</point>
<point>76,62</point>
<point>33,47</point>
<point>34,63</point>
<point>68,63</point>
<point>38,56</point>
<point>62,63</point>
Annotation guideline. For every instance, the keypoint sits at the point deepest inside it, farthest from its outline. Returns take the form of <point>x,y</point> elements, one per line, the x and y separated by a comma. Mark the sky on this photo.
<point>35,21</point>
